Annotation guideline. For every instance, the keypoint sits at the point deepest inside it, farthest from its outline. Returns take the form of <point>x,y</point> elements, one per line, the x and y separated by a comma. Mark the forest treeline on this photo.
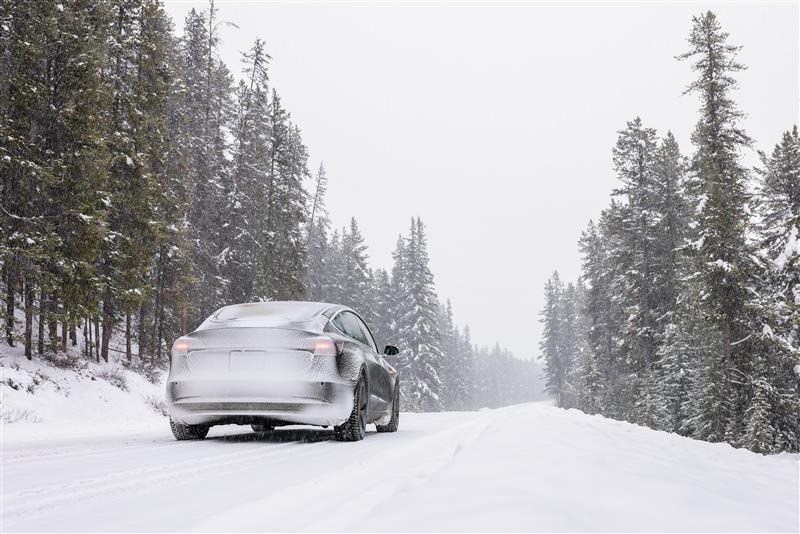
<point>144,185</point>
<point>686,316</point>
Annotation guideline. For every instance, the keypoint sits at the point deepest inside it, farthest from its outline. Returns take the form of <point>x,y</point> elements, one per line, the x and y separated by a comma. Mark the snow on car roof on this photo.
<point>291,311</point>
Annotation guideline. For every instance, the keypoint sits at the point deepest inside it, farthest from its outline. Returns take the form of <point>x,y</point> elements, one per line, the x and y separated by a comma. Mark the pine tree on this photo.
<point>139,85</point>
<point>725,256</point>
<point>317,277</point>
<point>779,207</point>
<point>283,256</point>
<point>155,64</point>
<point>172,263</point>
<point>772,420</point>
<point>634,231</point>
<point>289,221</point>
<point>246,206</point>
<point>672,226</point>
<point>418,323</point>
<point>602,314</point>
<point>448,339</point>
<point>67,176</point>
<point>556,366</point>
<point>208,97</point>
<point>356,286</point>
<point>462,387</point>
<point>585,379</point>
<point>384,307</point>
<point>24,241</point>
<point>334,274</point>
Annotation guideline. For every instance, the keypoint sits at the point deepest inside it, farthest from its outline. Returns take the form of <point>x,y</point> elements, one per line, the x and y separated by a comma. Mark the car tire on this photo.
<point>394,422</point>
<point>262,428</point>
<point>182,431</point>
<point>355,427</point>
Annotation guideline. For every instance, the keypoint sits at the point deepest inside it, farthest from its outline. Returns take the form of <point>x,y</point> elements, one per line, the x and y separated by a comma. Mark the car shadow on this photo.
<point>279,435</point>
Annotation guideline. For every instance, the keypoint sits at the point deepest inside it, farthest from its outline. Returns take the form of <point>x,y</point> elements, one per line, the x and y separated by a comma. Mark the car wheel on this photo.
<point>394,422</point>
<point>182,432</point>
<point>262,428</point>
<point>356,425</point>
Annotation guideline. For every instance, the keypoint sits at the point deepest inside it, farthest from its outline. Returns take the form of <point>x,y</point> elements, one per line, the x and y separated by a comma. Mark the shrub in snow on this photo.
<point>13,384</point>
<point>151,373</point>
<point>158,404</point>
<point>114,376</point>
<point>14,415</point>
<point>69,360</point>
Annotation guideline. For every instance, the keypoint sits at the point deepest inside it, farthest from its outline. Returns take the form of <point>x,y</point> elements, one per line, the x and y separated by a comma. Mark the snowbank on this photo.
<point>38,397</point>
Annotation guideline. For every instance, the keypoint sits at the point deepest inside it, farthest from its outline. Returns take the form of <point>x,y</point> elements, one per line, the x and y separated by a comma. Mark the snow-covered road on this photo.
<point>523,468</point>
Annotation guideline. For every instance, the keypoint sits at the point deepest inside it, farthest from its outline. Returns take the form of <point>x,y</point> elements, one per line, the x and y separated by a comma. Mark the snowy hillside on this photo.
<point>529,467</point>
<point>79,397</point>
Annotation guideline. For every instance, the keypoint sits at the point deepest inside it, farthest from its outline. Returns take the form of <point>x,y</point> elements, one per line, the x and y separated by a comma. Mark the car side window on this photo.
<point>366,333</point>
<point>339,323</point>
<point>345,323</point>
<point>352,328</point>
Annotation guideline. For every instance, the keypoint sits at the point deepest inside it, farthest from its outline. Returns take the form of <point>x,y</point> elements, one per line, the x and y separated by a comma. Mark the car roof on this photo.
<point>293,307</point>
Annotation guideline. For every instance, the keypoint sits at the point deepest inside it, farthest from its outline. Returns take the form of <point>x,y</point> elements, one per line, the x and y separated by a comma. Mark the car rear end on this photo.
<point>256,366</point>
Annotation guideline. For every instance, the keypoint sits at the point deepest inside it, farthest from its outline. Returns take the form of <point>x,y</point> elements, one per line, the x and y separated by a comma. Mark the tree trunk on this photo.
<point>105,337</point>
<point>9,272</point>
<point>142,340</point>
<point>728,349</point>
<point>40,336</point>
<point>158,312</point>
<point>128,335</point>
<point>64,329</point>
<point>107,324</point>
<point>28,319</point>
<point>87,349</point>
<point>160,336</point>
<point>52,324</point>
<point>97,338</point>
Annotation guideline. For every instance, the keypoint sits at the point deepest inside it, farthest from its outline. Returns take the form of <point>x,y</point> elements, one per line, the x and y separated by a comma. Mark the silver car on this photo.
<point>268,364</point>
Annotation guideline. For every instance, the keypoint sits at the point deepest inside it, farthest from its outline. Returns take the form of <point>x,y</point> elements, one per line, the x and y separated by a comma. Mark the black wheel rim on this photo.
<point>362,408</point>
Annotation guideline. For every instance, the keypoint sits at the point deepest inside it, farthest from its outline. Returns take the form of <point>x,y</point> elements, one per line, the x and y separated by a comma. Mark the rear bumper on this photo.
<point>196,402</point>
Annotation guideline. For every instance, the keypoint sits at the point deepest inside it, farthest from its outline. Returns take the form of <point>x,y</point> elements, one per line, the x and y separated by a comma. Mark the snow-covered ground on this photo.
<point>102,459</point>
<point>524,468</point>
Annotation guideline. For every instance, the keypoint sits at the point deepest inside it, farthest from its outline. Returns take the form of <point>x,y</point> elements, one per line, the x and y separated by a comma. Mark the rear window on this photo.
<point>289,312</point>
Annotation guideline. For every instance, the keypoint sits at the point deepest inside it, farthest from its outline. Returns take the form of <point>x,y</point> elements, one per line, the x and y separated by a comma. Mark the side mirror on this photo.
<point>390,350</point>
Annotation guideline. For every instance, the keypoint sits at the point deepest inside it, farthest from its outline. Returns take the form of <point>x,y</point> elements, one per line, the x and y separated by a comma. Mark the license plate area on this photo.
<point>243,361</point>
<point>274,364</point>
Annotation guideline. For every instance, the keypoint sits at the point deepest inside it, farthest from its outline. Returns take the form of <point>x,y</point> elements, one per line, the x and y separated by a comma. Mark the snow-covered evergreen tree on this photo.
<point>557,364</point>
<point>772,420</point>
<point>727,271</point>
<point>251,166</point>
<point>584,378</point>
<point>448,338</point>
<point>207,83</point>
<point>384,308</point>
<point>317,276</point>
<point>356,285</point>
<point>420,359</point>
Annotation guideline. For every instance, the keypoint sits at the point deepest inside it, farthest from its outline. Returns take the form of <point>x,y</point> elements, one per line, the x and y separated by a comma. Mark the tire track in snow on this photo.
<point>44,455</point>
<point>48,498</point>
<point>309,505</point>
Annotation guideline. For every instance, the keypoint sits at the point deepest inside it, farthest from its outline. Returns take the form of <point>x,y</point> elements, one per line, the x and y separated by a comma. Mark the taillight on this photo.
<point>182,347</point>
<point>324,346</point>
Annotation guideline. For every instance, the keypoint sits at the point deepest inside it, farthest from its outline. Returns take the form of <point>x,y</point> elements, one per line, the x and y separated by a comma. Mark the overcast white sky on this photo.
<point>494,122</point>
